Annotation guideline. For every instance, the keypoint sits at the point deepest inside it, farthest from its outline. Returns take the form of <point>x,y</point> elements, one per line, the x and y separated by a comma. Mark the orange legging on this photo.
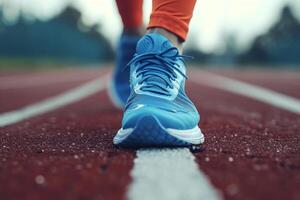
<point>172,15</point>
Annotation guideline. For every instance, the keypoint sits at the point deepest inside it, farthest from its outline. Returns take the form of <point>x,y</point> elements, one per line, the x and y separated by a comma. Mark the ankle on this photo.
<point>137,31</point>
<point>174,39</point>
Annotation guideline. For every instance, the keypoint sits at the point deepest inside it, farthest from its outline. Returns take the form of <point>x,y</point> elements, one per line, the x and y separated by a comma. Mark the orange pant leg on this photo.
<point>131,12</point>
<point>172,15</point>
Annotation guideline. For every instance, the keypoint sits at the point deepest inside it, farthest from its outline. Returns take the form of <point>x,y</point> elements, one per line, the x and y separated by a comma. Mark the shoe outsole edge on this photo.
<point>150,133</point>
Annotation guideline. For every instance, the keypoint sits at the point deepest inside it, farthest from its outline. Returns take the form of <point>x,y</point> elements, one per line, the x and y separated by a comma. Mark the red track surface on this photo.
<point>252,149</point>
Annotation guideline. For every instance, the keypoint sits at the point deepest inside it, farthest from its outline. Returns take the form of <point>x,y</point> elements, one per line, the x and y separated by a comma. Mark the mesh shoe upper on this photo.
<point>157,84</point>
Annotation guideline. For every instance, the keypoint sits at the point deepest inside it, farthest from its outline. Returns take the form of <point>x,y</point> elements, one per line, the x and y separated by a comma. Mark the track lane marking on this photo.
<point>169,174</point>
<point>37,82</point>
<point>52,103</point>
<point>255,92</point>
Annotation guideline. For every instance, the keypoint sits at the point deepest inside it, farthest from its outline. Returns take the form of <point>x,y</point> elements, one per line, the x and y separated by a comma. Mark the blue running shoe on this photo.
<point>158,113</point>
<point>119,88</point>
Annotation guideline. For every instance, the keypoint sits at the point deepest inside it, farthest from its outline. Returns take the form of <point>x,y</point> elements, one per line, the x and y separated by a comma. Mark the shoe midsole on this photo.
<point>193,136</point>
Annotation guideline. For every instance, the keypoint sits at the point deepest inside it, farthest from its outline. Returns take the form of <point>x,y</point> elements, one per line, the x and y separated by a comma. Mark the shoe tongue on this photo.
<point>151,43</point>
<point>155,43</point>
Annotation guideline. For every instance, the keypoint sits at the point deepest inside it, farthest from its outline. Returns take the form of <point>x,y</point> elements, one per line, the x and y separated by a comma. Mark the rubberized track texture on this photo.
<point>56,139</point>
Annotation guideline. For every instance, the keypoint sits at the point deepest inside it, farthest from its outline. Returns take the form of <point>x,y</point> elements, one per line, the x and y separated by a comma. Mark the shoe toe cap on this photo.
<point>167,118</point>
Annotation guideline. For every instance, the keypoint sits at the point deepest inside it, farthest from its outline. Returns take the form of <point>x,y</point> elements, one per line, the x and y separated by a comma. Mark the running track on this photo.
<point>64,151</point>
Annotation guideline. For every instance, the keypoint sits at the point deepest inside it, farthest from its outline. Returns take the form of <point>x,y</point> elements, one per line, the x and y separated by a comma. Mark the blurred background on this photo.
<point>231,33</point>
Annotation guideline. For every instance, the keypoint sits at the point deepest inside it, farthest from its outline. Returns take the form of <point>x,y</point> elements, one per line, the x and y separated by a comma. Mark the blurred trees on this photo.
<point>280,45</point>
<point>64,37</point>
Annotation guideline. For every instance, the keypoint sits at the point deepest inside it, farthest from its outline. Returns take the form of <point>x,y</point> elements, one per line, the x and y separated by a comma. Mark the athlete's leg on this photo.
<point>171,18</point>
<point>131,13</point>
<point>158,112</point>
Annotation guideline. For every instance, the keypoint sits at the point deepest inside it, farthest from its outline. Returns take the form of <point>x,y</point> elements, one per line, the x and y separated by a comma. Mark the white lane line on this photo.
<point>38,81</point>
<point>52,103</point>
<point>169,174</point>
<point>245,89</point>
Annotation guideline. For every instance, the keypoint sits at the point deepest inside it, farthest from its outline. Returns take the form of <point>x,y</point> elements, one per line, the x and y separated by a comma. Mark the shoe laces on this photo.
<point>160,65</point>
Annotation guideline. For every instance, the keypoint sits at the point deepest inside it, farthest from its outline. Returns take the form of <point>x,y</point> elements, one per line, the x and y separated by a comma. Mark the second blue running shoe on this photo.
<point>158,112</point>
<point>119,89</point>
